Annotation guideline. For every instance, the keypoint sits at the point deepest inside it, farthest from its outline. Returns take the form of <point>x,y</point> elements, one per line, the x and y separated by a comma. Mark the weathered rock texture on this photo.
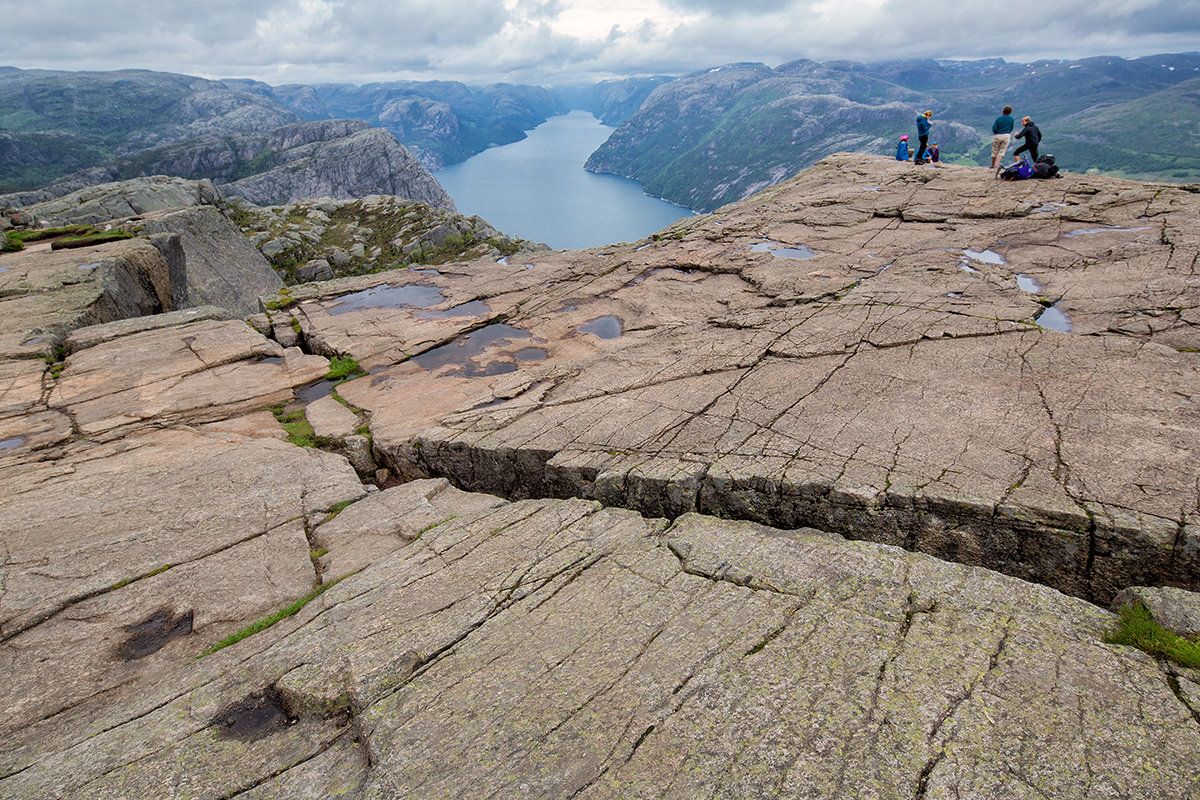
<point>367,162</point>
<point>122,199</point>
<point>537,645</point>
<point>223,268</point>
<point>894,386</point>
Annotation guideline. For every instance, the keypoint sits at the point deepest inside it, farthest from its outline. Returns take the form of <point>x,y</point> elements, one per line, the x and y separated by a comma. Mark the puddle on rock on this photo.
<point>602,327</point>
<point>1028,284</point>
<point>33,341</point>
<point>531,354</point>
<point>1047,207</point>
<point>965,267</point>
<point>270,360</point>
<point>89,266</point>
<point>7,268</point>
<point>781,250</point>
<point>564,309</point>
<point>154,633</point>
<point>1053,318</point>
<point>311,392</point>
<point>1112,229</point>
<point>985,256</point>
<point>502,260</point>
<point>464,352</point>
<point>12,444</point>
<point>412,295</point>
<point>475,308</point>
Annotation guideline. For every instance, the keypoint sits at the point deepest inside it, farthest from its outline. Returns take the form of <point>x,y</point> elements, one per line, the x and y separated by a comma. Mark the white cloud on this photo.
<point>559,40</point>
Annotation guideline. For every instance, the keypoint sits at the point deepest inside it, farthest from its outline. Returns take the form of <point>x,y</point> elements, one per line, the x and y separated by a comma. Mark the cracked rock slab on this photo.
<point>556,649</point>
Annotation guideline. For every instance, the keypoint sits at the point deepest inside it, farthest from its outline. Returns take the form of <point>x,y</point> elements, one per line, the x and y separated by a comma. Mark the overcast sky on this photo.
<point>564,41</point>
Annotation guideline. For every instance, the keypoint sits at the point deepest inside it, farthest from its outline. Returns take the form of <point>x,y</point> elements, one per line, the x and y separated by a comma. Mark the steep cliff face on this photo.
<point>368,162</point>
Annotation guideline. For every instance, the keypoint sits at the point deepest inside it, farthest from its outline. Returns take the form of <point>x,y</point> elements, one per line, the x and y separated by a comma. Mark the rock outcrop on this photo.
<point>368,162</point>
<point>223,268</point>
<point>122,199</point>
<point>192,603</point>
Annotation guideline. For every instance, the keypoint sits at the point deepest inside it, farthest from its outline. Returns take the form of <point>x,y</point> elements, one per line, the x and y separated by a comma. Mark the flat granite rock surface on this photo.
<point>823,495</point>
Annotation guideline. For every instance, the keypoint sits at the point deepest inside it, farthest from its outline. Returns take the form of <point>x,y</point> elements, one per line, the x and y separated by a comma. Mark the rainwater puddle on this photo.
<point>33,341</point>
<point>1112,229</point>
<point>7,268</point>
<point>965,267</point>
<point>781,251</point>
<point>502,260</point>
<point>424,271</point>
<point>1054,319</point>
<point>270,360</point>
<point>531,354</point>
<point>564,309</point>
<point>602,327</point>
<point>475,308</point>
<point>1048,207</point>
<point>463,352</point>
<point>644,246</point>
<point>311,392</point>
<point>12,444</point>
<point>412,295</point>
<point>89,266</point>
<point>953,294</point>
<point>1028,284</point>
<point>985,256</point>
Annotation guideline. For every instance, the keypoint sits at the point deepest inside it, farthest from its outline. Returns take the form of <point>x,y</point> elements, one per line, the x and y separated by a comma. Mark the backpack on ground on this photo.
<point>1017,172</point>
<point>1045,158</point>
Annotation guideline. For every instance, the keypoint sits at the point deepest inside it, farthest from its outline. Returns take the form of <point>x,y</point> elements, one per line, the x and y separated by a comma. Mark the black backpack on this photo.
<point>1045,159</point>
<point>1043,170</point>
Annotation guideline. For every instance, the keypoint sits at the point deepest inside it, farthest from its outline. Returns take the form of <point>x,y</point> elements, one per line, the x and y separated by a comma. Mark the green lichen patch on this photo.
<point>267,621</point>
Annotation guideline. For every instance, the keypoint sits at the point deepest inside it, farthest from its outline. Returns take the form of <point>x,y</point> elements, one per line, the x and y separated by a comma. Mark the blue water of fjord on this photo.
<point>537,189</point>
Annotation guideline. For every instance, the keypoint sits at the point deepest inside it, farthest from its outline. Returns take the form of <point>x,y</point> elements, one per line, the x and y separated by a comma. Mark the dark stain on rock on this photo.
<point>153,633</point>
<point>254,717</point>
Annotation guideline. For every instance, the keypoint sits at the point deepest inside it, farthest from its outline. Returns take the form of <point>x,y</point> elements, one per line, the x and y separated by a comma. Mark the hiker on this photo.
<point>1001,134</point>
<point>935,155</point>
<point>902,153</point>
<point>923,126</point>
<point>1032,136</point>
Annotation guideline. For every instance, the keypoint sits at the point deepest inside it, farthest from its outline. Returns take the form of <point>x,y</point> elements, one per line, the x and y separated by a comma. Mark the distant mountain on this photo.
<point>54,123</point>
<point>441,122</point>
<point>718,135</point>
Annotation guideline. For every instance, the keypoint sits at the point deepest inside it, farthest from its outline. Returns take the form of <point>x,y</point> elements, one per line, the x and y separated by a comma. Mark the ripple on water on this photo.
<point>412,295</point>
<point>602,327</point>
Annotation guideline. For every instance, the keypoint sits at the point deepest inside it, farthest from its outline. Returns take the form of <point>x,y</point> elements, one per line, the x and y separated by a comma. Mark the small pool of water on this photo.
<point>1055,319</point>
<point>12,444</point>
<point>33,341</point>
<point>89,266</point>
<point>985,256</point>
<point>531,354</point>
<point>781,250</point>
<point>464,352</point>
<point>475,308</point>
<point>413,295</point>
<point>602,327</point>
<point>310,392</point>
<point>1028,284</point>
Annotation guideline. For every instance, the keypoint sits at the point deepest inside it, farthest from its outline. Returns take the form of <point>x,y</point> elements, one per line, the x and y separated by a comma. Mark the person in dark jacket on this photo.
<point>1002,130</point>
<point>923,126</point>
<point>1032,136</point>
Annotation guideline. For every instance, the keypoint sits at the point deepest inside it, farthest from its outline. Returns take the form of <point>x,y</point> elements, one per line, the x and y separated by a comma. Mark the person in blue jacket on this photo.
<point>923,127</point>
<point>902,153</point>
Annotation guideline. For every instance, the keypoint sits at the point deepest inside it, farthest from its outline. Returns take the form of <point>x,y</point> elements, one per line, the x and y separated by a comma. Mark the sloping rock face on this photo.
<point>191,604</point>
<point>122,199</point>
<point>223,268</point>
<point>368,162</point>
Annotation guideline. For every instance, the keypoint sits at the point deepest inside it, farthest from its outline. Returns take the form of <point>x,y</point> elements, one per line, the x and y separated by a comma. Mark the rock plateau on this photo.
<point>801,498</point>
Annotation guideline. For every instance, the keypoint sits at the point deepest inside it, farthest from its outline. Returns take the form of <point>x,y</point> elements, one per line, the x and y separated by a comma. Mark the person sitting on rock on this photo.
<point>902,153</point>
<point>935,155</point>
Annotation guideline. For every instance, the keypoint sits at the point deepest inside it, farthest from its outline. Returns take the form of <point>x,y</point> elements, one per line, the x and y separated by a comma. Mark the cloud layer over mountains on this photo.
<point>548,41</point>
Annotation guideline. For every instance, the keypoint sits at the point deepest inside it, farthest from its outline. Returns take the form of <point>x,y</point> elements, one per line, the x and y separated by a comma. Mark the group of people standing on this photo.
<point>1002,135</point>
